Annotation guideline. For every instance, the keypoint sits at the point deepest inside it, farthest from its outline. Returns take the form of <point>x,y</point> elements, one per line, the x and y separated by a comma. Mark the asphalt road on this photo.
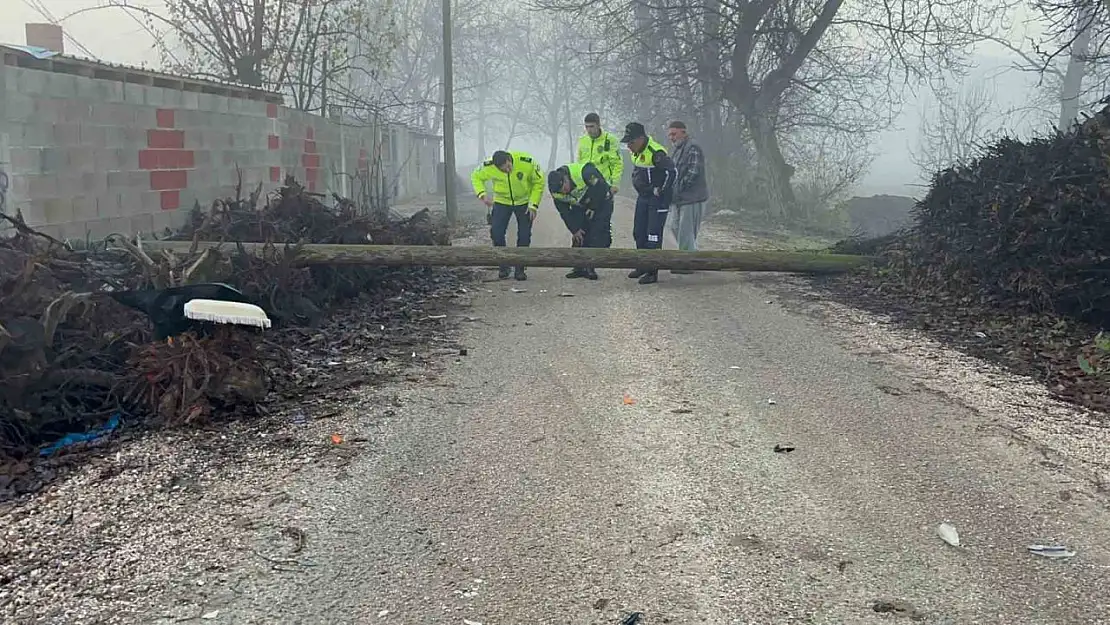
<point>614,452</point>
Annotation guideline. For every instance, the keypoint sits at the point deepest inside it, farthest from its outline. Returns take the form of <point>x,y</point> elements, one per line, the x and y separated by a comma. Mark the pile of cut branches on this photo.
<point>292,216</point>
<point>71,356</point>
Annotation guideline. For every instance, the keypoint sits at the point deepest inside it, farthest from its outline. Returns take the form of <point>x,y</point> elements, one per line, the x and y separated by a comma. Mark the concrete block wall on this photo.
<point>85,157</point>
<point>413,160</point>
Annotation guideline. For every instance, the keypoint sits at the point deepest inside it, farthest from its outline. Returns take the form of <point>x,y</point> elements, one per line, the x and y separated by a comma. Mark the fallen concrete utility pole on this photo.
<point>450,256</point>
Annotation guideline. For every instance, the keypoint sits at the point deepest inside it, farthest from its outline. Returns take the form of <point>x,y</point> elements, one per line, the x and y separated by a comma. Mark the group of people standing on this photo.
<point>583,192</point>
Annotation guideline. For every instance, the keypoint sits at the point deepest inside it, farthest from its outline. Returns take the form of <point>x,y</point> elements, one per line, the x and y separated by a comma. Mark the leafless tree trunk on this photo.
<point>1071,90</point>
<point>483,94</point>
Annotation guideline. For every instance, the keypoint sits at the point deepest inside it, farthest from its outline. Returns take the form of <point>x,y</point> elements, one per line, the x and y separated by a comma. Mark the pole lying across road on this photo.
<point>451,256</point>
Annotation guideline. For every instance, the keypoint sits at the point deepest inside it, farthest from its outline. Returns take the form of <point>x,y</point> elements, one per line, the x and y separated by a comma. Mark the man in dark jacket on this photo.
<point>691,191</point>
<point>584,200</point>
<point>653,177</point>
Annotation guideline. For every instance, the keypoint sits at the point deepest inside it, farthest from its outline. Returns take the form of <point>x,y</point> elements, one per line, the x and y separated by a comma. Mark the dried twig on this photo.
<point>22,227</point>
<point>57,311</point>
<point>150,268</point>
<point>187,275</point>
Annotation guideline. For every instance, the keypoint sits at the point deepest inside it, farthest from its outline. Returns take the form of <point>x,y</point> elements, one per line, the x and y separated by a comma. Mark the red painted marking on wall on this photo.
<point>311,161</point>
<point>311,175</point>
<point>363,161</point>
<point>171,200</point>
<point>271,110</point>
<point>167,159</point>
<point>168,179</point>
<point>274,142</point>
<point>165,139</point>
<point>165,118</point>
<point>310,133</point>
<point>275,174</point>
<point>310,146</point>
<point>186,159</point>
<point>148,159</point>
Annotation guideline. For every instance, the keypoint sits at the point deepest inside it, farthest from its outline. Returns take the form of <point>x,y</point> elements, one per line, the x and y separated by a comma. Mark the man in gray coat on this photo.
<point>691,191</point>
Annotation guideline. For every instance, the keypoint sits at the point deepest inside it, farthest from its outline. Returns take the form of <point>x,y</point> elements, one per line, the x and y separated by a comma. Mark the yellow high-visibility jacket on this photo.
<point>522,186</point>
<point>604,152</point>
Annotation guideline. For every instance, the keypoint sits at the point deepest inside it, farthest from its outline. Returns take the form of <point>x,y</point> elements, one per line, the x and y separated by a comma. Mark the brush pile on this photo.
<point>1024,225</point>
<point>292,216</point>
<point>63,349</point>
<point>1014,246</point>
<point>71,356</point>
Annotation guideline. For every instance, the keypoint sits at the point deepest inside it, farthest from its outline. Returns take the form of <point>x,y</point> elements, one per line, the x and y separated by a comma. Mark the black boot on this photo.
<point>503,273</point>
<point>577,273</point>
<point>519,274</point>
<point>649,277</point>
<point>591,274</point>
<point>636,273</point>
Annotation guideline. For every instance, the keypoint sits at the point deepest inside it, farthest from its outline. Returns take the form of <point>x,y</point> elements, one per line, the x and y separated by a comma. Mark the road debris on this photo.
<point>1051,551</point>
<point>897,607</point>
<point>771,402</point>
<point>633,619</point>
<point>518,290</point>
<point>208,616</point>
<point>298,537</point>
<point>87,437</point>
<point>627,400</point>
<point>948,534</point>
<point>783,449</point>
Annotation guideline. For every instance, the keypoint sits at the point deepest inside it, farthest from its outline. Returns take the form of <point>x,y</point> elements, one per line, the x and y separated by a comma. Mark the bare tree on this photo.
<point>1069,51</point>
<point>772,52</point>
<point>955,127</point>
<point>309,50</point>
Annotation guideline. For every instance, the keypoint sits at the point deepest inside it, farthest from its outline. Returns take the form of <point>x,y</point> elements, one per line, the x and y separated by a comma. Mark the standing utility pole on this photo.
<point>449,119</point>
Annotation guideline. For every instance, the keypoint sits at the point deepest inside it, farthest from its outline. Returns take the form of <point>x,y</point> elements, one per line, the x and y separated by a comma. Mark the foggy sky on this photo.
<point>111,35</point>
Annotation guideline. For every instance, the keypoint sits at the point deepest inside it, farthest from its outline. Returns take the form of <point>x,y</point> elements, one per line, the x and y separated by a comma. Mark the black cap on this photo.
<point>633,131</point>
<point>555,181</point>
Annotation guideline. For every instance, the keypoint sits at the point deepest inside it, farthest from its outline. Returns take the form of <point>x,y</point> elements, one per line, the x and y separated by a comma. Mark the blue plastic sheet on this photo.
<point>72,439</point>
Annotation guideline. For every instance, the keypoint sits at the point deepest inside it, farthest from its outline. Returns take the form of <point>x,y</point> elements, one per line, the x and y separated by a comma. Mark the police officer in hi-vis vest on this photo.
<point>653,176</point>
<point>584,200</point>
<point>517,191</point>
<point>603,149</point>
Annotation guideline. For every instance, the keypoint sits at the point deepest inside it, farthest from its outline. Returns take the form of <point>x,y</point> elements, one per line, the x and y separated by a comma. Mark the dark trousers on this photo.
<point>598,231</point>
<point>647,228</point>
<point>499,225</point>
